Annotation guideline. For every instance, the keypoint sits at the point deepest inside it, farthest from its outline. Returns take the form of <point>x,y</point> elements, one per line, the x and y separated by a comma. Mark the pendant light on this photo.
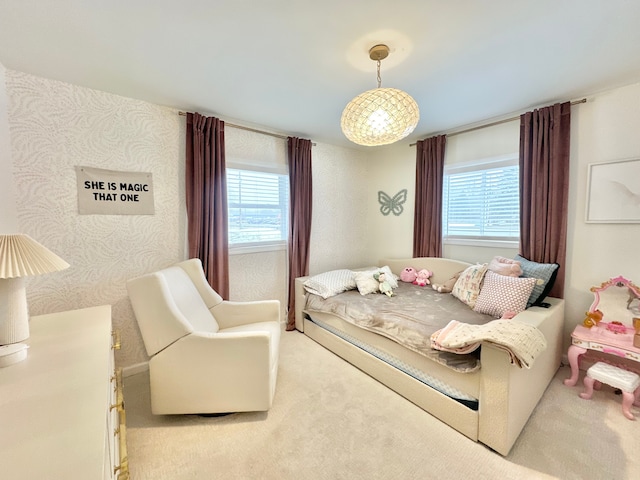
<point>380,116</point>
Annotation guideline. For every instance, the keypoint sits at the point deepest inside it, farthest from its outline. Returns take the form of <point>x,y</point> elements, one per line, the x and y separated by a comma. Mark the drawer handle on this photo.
<point>116,343</point>
<point>123,468</point>
<point>613,351</point>
<point>119,392</point>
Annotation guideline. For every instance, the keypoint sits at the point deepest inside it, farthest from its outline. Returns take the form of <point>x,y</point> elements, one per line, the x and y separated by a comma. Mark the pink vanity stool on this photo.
<point>625,380</point>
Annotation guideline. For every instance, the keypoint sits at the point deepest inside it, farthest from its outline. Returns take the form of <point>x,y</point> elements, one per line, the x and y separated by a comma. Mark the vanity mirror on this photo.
<point>615,305</point>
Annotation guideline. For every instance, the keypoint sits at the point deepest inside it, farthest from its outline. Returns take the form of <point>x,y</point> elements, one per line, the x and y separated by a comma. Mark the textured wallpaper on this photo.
<point>55,126</point>
<point>342,205</point>
<point>263,275</point>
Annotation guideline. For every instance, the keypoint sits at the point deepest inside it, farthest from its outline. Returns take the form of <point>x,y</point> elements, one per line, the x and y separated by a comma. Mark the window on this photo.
<point>258,204</point>
<point>481,202</point>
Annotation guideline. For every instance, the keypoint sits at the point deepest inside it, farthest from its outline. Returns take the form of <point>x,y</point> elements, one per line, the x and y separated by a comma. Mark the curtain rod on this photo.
<point>249,129</point>
<point>493,124</point>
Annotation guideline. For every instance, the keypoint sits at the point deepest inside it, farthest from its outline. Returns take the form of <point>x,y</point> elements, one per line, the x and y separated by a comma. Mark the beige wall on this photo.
<point>339,224</point>
<point>603,129</point>
<point>8,218</point>
<point>55,126</point>
<point>395,170</point>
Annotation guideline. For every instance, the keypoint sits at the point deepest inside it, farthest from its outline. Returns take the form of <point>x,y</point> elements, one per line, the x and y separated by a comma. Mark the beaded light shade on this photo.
<point>380,116</point>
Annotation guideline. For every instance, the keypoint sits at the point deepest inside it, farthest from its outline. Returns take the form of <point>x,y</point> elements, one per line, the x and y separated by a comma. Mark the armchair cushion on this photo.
<point>188,300</point>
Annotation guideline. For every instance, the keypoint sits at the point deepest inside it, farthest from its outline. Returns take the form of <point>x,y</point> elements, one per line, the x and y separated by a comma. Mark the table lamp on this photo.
<point>20,256</point>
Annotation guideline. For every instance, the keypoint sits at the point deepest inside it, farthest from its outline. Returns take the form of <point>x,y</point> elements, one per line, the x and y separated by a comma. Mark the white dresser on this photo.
<point>61,411</point>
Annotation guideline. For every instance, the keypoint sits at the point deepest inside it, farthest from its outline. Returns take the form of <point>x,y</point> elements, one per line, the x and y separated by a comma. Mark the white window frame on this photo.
<point>262,246</point>
<point>477,165</point>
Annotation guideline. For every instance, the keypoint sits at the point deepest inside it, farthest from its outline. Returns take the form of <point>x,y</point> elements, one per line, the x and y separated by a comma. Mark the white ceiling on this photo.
<point>291,66</point>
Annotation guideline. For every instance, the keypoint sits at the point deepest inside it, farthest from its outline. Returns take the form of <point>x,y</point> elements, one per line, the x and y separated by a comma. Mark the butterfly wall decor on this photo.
<point>388,204</point>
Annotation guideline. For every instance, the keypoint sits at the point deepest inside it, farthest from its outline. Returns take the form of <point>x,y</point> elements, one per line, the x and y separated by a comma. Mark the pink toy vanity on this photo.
<point>612,326</point>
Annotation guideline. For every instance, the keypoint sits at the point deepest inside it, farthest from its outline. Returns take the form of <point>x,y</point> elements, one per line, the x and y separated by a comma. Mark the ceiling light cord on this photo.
<point>379,78</point>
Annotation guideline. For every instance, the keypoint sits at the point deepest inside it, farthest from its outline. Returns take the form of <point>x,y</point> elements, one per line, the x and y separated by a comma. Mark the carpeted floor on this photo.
<point>331,421</point>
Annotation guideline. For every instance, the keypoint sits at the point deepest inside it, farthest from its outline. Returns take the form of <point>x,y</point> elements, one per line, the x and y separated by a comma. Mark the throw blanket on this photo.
<point>521,341</point>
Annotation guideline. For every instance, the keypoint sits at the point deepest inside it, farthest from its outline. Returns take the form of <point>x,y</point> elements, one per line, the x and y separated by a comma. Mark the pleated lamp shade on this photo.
<point>20,256</point>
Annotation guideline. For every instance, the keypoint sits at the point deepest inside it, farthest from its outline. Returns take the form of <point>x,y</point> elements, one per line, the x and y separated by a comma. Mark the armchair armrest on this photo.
<point>211,372</point>
<point>233,314</point>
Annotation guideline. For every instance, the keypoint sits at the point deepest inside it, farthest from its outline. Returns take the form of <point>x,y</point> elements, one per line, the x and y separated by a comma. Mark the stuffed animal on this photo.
<point>408,275</point>
<point>384,287</point>
<point>447,286</point>
<point>505,266</point>
<point>422,278</point>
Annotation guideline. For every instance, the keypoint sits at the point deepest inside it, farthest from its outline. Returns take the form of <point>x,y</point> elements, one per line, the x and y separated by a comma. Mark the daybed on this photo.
<point>502,394</point>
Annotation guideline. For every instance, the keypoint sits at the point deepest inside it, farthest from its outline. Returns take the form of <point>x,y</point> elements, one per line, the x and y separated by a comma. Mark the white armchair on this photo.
<point>207,355</point>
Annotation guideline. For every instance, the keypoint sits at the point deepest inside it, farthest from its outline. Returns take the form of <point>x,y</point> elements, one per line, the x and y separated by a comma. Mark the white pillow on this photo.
<point>331,283</point>
<point>366,283</point>
<point>390,276</point>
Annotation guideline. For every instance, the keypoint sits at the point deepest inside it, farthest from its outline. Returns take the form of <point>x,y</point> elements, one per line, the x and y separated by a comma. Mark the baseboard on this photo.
<point>134,369</point>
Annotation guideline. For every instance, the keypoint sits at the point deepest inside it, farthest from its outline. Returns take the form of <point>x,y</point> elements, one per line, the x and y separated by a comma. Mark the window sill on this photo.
<point>474,242</point>
<point>256,248</point>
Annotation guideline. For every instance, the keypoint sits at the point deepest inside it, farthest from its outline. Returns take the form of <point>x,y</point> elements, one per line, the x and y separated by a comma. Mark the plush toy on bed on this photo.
<point>408,275</point>
<point>422,278</point>
<point>447,286</point>
<point>505,266</point>
<point>385,287</point>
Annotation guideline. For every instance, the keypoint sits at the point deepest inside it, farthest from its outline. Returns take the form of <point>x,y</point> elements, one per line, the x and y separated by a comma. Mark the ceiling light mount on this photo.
<point>380,116</point>
<point>378,52</point>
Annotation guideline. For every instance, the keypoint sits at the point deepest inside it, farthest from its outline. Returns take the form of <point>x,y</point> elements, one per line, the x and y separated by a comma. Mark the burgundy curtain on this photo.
<point>427,220</point>
<point>544,184</point>
<point>300,194</point>
<point>206,190</point>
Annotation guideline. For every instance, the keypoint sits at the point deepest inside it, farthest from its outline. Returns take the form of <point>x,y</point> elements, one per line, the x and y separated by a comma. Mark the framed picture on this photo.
<point>613,192</point>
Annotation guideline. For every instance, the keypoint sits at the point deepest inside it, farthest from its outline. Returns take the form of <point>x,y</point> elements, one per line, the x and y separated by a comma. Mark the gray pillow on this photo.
<point>545,273</point>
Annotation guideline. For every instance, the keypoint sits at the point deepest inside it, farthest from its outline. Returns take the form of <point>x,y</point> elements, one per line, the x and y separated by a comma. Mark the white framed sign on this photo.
<point>613,192</point>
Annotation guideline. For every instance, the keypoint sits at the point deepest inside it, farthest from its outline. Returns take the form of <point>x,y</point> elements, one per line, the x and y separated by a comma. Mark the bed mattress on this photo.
<point>409,318</point>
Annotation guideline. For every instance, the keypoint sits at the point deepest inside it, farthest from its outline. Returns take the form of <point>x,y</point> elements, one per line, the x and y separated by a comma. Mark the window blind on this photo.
<point>258,206</point>
<point>482,203</point>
